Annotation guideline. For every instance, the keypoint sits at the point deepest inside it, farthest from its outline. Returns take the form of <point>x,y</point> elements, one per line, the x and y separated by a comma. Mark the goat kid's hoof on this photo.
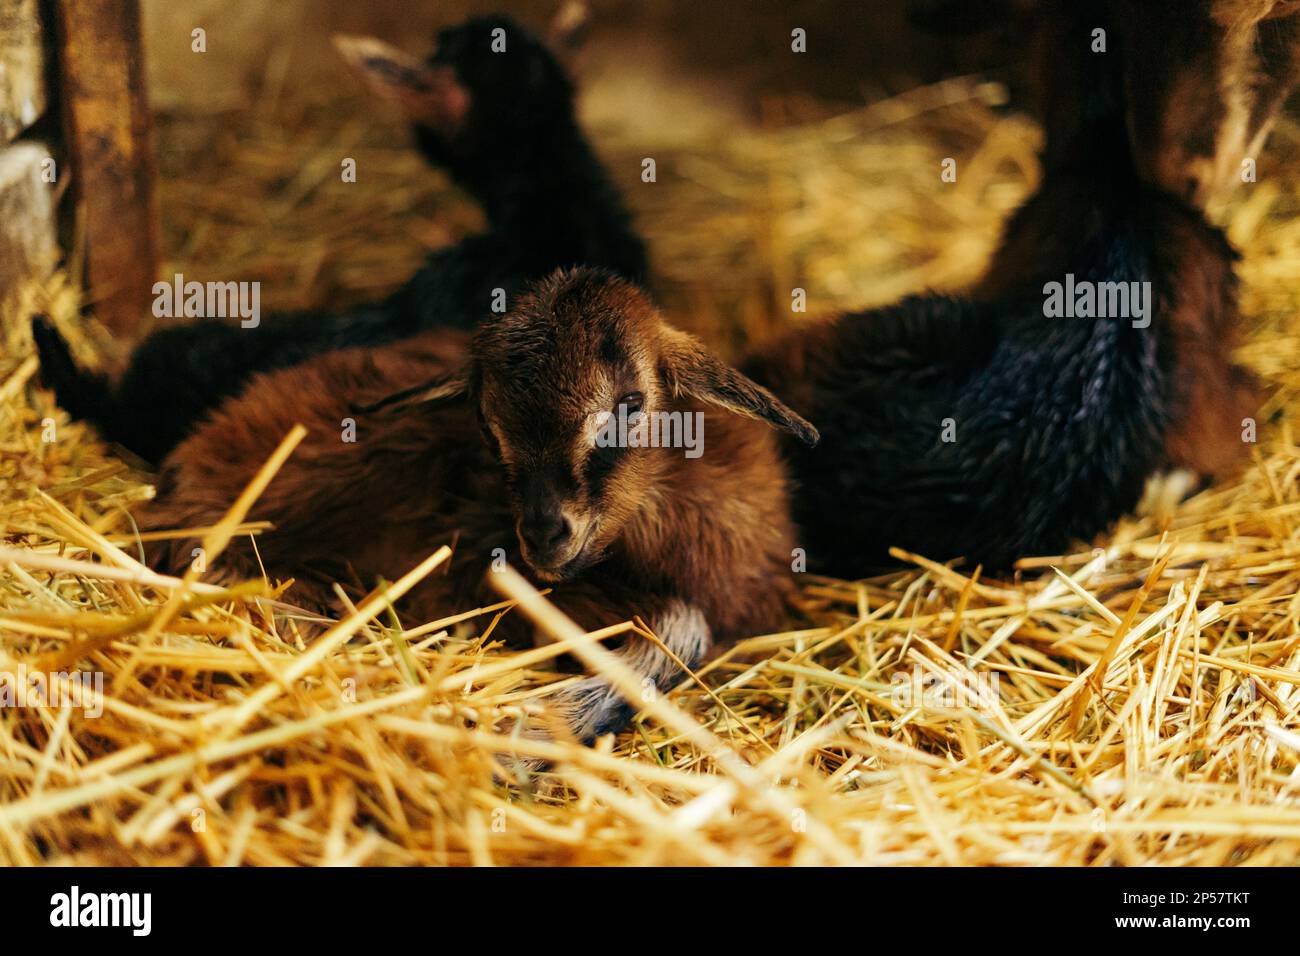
<point>588,710</point>
<point>591,709</point>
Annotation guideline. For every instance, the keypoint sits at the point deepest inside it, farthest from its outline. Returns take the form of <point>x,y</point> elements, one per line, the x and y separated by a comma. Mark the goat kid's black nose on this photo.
<point>545,532</point>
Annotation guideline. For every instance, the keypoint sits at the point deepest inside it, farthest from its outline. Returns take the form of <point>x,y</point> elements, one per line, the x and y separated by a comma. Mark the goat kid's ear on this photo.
<point>426,94</point>
<point>690,370</point>
<point>448,387</point>
<point>568,28</point>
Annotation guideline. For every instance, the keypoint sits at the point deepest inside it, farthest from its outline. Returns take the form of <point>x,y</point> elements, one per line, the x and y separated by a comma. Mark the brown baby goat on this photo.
<point>495,444</point>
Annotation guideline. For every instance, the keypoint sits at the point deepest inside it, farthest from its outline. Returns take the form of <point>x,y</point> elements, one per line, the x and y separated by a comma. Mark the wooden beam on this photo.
<point>106,120</point>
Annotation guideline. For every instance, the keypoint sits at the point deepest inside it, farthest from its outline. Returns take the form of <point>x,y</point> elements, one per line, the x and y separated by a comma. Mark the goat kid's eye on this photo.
<point>630,403</point>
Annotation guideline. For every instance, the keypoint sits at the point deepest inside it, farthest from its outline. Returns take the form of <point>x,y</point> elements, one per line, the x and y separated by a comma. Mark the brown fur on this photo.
<point>1212,396</point>
<point>1204,82</point>
<point>699,547</point>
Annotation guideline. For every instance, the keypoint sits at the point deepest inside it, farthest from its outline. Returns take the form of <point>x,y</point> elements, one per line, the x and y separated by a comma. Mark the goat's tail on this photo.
<point>82,394</point>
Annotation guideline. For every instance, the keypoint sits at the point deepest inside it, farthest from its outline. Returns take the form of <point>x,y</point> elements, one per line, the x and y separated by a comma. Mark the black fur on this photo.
<point>548,202</point>
<point>1058,421</point>
<point>1057,424</point>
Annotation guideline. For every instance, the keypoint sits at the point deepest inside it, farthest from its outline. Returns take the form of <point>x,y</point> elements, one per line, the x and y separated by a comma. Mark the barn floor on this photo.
<point>225,738</point>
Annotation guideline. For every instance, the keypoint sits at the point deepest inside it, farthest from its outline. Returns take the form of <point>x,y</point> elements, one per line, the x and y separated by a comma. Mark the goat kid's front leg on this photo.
<point>592,707</point>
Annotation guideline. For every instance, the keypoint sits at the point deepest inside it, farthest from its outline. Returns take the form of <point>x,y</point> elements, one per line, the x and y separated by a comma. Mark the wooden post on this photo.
<point>106,121</point>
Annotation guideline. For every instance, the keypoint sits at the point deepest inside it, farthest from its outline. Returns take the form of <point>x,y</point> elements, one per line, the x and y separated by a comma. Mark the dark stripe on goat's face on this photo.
<point>612,352</point>
<point>543,488</point>
<point>601,464</point>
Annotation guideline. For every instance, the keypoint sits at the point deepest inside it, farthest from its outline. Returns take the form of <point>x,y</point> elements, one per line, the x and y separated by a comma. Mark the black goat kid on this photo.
<point>1029,415</point>
<point>501,121</point>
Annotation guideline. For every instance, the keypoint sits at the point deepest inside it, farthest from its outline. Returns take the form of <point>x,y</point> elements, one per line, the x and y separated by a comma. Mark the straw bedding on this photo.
<point>1132,703</point>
